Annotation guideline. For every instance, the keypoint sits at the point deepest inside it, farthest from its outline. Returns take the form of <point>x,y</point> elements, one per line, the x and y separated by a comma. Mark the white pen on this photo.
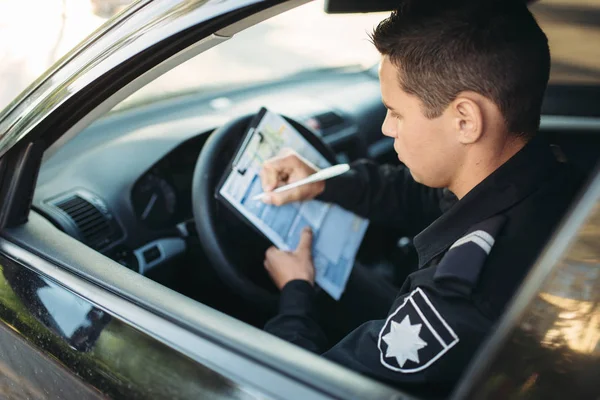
<point>325,173</point>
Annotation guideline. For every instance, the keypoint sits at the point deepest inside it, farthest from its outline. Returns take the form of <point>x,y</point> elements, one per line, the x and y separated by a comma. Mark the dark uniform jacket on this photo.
<point>472,258</point>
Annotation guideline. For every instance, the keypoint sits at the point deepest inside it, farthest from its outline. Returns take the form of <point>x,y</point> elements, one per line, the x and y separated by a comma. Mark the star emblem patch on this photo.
<point>403,341</point>
<point>415,335</point>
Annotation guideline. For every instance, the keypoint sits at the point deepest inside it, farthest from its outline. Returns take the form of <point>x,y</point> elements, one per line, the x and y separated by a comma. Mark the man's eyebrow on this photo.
<point>387,106</point>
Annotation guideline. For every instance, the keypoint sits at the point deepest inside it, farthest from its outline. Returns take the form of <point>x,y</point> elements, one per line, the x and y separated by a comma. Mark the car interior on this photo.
<point>124,185</point>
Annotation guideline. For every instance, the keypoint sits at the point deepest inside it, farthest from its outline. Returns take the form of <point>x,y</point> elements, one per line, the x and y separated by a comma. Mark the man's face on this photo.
<point>428,147</point>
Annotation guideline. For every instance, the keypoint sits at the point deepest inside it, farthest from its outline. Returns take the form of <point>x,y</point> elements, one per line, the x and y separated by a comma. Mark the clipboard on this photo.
<point>233,165</point>
<point>236,166</point>
<point>283,225</point>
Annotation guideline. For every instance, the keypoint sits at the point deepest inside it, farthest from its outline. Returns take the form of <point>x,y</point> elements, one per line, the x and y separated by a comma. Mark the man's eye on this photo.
<point>396,116</point>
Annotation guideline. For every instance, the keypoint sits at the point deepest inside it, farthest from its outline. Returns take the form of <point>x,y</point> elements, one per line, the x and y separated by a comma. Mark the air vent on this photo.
<point>96,228</point>
<point>328,120</point>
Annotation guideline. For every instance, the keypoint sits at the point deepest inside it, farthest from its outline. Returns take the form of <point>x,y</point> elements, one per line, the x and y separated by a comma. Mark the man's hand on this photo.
<point>287,169</point>
<point>284,266</point>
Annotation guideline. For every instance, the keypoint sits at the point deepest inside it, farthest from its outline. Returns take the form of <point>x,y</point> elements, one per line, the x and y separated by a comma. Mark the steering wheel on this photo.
<point>238,264</point>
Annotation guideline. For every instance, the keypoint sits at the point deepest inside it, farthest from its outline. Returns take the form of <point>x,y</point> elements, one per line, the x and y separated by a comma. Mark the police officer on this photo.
<point>463,84</point>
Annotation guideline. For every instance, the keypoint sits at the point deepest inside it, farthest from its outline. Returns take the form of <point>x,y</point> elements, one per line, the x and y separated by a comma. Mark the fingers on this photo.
<point>287,169</point>
<point>271,252</point>
<point>305,245</point>
<point>271,255</point>
<point>296,158</point>
<point>284,267</point>
<point>276,171</point>
<point>269,177</point>
<point>284,197</point>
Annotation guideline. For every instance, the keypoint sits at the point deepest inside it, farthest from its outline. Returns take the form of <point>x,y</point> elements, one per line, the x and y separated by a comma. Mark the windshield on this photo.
<point>302,39</point>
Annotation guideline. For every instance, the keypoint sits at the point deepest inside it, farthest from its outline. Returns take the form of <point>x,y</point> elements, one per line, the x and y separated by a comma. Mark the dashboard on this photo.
<point>123,184</point>
<point>162,196</point>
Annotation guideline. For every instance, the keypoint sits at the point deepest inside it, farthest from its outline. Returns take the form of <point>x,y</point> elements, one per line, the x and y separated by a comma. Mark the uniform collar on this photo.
<point>507,185</point>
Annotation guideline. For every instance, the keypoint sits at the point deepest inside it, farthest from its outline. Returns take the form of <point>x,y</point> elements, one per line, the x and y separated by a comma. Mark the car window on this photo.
<point>300,40</point>
<point>306,38</point>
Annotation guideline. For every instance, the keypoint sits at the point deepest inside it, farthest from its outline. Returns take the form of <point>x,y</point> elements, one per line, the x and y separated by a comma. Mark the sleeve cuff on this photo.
<point>337,188</point>
<point>297,297</point>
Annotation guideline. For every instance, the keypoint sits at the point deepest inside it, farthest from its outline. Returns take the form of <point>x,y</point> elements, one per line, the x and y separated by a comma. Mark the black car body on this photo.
<point>96,303</point>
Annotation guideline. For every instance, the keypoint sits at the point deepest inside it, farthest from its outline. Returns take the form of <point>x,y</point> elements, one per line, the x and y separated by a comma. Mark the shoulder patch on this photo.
<point>464,260</point>
<point>479,237</point>
<point>414,336</point>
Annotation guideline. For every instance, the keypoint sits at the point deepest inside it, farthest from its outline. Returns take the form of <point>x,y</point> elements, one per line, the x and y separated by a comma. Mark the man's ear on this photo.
<point>468,117</point>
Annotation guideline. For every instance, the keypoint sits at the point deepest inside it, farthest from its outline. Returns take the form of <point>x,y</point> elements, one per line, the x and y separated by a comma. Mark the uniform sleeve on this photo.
<point>386,195</point>
<point>296,320</point>
<point>422,347</point>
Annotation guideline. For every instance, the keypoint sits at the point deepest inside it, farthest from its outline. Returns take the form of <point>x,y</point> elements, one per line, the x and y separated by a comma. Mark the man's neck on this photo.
<point>482,162</point>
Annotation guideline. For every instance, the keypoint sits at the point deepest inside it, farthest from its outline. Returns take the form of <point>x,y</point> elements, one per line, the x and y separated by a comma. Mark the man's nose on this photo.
<point>387,128</point>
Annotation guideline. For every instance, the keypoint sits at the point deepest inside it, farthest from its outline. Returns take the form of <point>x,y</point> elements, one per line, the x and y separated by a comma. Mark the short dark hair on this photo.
<point>492,47</point>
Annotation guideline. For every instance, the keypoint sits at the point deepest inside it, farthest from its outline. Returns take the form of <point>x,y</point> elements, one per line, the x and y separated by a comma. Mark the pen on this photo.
<point>325,173</point>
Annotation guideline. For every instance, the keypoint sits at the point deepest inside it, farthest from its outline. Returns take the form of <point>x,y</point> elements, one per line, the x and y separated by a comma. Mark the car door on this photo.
<point>64,338</point>
<point>547,345</point>
<point>75,324</point>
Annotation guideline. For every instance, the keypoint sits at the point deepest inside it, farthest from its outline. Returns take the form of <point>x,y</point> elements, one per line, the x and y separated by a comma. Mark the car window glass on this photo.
<point>300,40</point>
<point>306,38</point>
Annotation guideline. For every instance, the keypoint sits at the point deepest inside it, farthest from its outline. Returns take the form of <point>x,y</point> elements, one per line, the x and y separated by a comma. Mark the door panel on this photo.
<point>26,373</point>
<point>57,345</point>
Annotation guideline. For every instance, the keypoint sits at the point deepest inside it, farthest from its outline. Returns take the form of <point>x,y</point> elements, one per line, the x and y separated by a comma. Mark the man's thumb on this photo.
<point>306,240</point>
